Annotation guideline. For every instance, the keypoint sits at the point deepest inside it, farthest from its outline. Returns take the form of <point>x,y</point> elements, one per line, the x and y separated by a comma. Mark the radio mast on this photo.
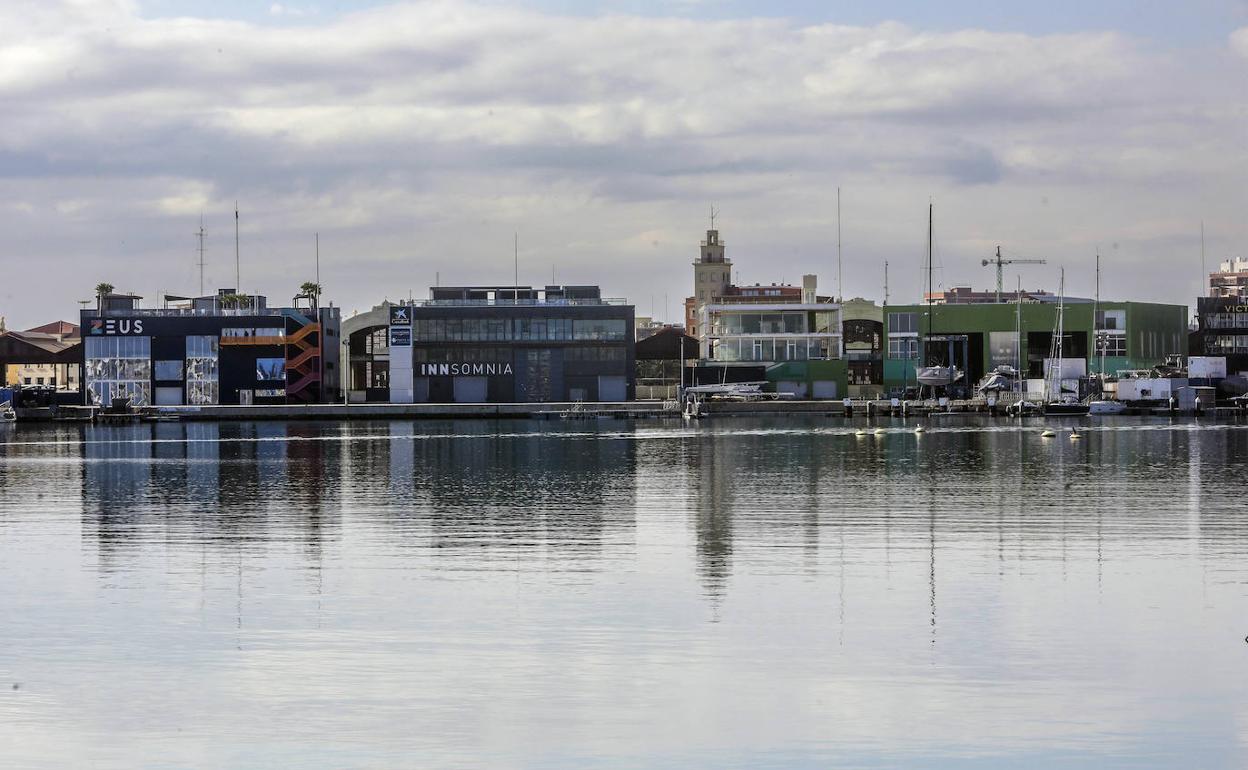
<point>200,235</point>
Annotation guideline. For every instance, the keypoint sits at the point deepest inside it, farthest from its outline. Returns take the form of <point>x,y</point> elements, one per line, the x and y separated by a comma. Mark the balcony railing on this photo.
<point>565,302</point>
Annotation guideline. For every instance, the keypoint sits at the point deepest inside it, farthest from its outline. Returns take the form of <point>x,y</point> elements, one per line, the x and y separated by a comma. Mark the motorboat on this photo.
<point>731,391</point>
<point>1107,407</point>
<point>7,413</point>
<point>937,376</point>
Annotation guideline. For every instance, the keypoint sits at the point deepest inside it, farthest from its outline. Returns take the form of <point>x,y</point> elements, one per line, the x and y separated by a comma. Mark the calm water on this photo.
<point>608,594</point>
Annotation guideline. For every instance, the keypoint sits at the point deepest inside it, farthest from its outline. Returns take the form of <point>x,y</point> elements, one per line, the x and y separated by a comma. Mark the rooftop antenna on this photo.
<point>886,283</point>
<point>516,256</point>
<point>839,294</point>
<point>714,214</point>
<point>200,235</point>
<point>238,282</point>
<point>318,262</point>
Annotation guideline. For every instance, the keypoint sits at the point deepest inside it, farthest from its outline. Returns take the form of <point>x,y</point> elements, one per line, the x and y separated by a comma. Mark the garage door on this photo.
<point>825,388</point>
<point>612,389</point>
<point>471,390</point>
<point>168,396</point>
<point>798,389</point>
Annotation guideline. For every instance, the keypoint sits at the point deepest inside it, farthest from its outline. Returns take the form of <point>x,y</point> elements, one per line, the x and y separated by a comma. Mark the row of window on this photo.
<point>1226,344</point>
<point>759,323</point>
<point>772,350</point>
<point>1111,320</point>
<point>253,332</point>
<point>1226,320</point>
<point>518,329</point>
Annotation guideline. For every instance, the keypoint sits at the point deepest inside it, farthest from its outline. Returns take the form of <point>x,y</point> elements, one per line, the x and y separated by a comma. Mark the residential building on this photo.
<point>49,361</point>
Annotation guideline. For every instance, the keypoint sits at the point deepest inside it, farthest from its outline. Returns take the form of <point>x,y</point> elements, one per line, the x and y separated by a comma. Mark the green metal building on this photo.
<point>980,337</point>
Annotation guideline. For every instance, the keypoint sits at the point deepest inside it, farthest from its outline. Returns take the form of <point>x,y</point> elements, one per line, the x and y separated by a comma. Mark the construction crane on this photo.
<point>999,262</point>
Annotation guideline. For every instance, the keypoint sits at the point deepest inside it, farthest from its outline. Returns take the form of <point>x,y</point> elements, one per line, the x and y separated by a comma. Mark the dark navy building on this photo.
<point>494,344</point>
<point>222,349</point>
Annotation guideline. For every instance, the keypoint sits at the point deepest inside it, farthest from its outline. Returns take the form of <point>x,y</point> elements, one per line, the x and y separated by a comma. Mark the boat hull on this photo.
<point>1107,407</point>
<point>1061,408</point>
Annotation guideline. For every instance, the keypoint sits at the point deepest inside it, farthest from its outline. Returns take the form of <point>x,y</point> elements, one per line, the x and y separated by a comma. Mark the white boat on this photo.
<point>6,412</point>
<point>1104,407</point>
<point>938,375</point>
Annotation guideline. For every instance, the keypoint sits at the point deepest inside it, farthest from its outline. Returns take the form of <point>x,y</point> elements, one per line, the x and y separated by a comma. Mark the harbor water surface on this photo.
<point>514,594</point>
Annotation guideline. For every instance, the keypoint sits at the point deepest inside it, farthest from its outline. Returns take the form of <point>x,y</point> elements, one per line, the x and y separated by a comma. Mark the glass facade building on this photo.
<point>205,354</point>
<point>494,345</point>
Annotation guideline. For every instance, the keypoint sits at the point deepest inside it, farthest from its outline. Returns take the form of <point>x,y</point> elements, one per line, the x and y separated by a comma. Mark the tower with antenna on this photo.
<point>712,275</point>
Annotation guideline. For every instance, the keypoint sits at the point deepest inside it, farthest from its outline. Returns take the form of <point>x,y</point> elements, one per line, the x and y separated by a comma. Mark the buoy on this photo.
<point>860,432</point>
<point>879,431</point>
<point>918,429</point>
<point>1047,434</point>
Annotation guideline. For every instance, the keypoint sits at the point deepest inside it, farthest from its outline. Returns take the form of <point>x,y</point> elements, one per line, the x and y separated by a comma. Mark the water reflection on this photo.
<point>740,593</point>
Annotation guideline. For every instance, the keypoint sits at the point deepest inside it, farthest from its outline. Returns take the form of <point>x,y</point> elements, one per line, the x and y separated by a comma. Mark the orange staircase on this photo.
<point>303,362</point>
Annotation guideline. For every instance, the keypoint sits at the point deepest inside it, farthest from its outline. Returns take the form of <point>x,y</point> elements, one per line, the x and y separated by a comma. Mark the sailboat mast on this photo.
<point>923,345</point>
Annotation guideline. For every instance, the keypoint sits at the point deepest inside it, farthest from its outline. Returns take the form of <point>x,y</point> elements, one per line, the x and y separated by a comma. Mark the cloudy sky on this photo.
<point>416,138</point>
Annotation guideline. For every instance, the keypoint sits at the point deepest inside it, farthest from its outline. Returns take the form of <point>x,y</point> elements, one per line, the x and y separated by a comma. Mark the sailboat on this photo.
<point>935,375</point>
<point>1101,405</point>
<point>1055,401</point>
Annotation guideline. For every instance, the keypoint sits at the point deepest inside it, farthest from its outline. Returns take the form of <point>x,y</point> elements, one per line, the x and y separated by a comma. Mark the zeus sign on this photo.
<point>117,326</point>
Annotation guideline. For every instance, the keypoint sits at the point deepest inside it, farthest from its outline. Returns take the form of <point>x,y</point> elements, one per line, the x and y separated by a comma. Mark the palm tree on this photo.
<point>311,289</point>
<point>102,289</point>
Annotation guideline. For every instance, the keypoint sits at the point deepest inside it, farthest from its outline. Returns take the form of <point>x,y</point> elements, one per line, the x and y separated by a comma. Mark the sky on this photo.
<point>418,141</point>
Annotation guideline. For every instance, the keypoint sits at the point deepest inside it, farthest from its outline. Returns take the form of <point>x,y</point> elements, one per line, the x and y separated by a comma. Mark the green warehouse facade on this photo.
<point>980,337</point>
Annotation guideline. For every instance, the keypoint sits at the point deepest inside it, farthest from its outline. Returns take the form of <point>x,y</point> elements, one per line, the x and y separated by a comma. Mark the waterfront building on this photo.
<point>789,331</point>
<point>862,335</point>
<point>226,348</point>
<point>494,344</point>
<point>977,338</point>
<point>1222,330</point>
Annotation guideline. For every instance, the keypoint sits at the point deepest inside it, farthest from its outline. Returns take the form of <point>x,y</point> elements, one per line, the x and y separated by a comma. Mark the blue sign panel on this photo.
<point>400,336</point>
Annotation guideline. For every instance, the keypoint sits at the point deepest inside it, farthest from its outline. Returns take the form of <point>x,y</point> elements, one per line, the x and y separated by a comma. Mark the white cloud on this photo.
<point>417,137</point>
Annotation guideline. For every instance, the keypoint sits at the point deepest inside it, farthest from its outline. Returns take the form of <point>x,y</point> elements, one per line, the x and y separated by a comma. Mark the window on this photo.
<point>903,348</point>
<point>1114,320</point>
<point>119,367</point>
<point>268,369</point>
<point>1112,344</point>
<point>902,322</point>
<point>168,370</point>
<point>253,332</point>
<point>612,329</point>
<point>26,380</point>
<point>201,370</point>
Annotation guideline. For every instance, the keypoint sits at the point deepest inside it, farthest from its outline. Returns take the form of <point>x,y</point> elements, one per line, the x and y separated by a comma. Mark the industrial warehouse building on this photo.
<point>202,351</point>
<point>977,338</point>
<point>493,344</point>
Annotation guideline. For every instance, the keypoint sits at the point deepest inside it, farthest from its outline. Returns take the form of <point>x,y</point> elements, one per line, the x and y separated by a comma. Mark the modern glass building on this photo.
<point>494,344</point>
<point>203,351</point>
<point>1222,330</point>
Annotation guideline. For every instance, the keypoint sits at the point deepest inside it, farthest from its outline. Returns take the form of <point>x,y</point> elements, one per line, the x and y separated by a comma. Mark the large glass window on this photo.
<point>1112,345</point>
<point>201,370</point>
<point>903,347</point>
<point>903,322</point>
<point>610,329</point>
<point>268,369</point>
<point>119,367</point>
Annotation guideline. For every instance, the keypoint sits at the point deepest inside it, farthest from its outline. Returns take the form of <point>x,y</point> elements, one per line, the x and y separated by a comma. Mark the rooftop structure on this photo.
<point>1230,280</point>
